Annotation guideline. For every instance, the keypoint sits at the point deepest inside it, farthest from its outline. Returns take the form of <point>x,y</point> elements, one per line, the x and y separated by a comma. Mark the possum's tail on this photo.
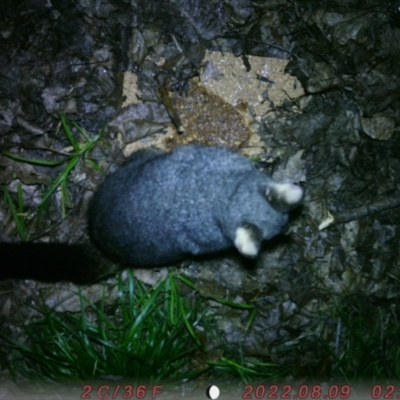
<point>53,262</point>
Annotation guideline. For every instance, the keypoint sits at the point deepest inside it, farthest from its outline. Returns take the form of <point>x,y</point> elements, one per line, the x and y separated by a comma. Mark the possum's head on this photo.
<point>283,197</point>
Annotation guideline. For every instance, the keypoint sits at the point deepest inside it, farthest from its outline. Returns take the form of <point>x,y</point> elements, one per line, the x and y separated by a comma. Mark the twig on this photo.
<point>360,212</point>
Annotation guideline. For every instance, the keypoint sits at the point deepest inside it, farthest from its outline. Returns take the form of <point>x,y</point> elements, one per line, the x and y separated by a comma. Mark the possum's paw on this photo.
<point>248,240</point>
<point>284,196</point>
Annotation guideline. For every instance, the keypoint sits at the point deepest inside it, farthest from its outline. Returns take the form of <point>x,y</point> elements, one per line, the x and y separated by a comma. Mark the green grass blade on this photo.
<point>36,161</point>
<point>68,133</point>
<point>16,217</point>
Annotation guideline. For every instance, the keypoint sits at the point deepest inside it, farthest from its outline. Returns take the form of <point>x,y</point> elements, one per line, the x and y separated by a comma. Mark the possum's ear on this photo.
<point>284,197</point>
<point>248,239</point>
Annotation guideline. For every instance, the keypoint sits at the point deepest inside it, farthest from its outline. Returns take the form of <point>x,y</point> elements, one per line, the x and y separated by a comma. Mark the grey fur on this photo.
<point>162,207</point>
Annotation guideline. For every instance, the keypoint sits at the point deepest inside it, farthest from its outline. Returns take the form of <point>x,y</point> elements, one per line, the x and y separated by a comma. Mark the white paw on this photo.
<point>245,243</point>
<point>284,196</point>
<point>293,193</point>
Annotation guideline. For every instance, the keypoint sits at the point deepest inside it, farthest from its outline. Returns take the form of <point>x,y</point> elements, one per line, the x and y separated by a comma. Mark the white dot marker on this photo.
<point>212,392</point>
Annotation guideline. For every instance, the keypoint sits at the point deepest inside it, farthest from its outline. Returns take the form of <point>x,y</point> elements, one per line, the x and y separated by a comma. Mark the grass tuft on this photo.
<point>144,337</point>
<point>80,150</point>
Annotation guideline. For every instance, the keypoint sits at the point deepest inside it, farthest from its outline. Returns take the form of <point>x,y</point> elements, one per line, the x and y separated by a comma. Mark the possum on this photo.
<point>160,208</point>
